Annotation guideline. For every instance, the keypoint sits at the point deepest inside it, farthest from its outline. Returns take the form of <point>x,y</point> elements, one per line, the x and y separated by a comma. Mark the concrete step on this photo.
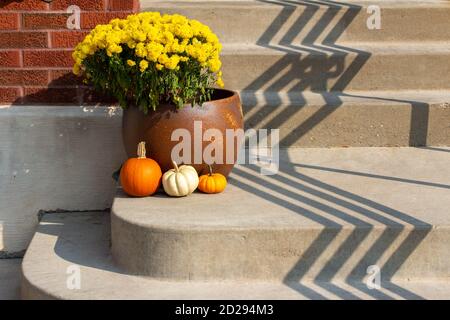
<point>327,214</point>
<point>277,21</point>
<point>310,232</point>
<point>357,119</point>
<point>63,241</point>
<point>66,241</point>
<point>10,278</point>
<point>337,68</point>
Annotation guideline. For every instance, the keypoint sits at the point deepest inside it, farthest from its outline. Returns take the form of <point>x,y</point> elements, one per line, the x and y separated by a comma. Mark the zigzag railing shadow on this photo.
<point>303,73</point>
<point>326,198</point>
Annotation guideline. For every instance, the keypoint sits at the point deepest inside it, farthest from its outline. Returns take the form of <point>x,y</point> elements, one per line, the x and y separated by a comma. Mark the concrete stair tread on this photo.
<point>363,98</point>
<point>10,278</point>
<point>378,118</point>
<point>336,68</point>
<point>326,215</point>
<point>400,48</point>
<point>314,21</point>
<point>65,240</point>
<point>312,179</point>
<point>275,3</point>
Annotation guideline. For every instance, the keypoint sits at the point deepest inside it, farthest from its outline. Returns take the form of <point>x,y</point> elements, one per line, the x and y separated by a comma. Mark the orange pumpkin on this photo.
<point>141,176</point>
<point>212,182</point>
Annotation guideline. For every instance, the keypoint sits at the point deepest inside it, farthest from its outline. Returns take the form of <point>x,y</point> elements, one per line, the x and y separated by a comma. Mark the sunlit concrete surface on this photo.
<point>310,231</point>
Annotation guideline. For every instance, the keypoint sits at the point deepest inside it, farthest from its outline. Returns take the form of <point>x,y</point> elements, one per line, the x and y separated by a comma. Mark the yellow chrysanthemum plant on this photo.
<point>148,59</point>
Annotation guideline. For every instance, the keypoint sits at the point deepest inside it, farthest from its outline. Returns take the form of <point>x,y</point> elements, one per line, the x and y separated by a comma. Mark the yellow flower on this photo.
<point>166,40</point>
<point>139,36</point>
<point>214,65</point>
<point>114,48</point>
<point>220,82</point>
<point>167,37</point>
<point>163,59</point>
<point>172,62</point>
<point>140,50</point>
<point>154,50</point>
<point>131,44</point>
<point>76,70</point>
<point>85,48</point>
<point>143,65</point>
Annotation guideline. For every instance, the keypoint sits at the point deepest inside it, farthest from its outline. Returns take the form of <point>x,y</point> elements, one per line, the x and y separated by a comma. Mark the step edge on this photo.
<point>357,48</point>
<point>193,229</point>
<point>350,4</point>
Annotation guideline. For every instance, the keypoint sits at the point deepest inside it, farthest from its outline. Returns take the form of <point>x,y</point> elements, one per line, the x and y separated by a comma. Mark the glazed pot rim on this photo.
<point>233,95</point>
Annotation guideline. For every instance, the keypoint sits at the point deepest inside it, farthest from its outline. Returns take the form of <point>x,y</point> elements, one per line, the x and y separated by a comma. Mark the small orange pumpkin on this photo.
<point>212,182</point>
<point>141,176</point>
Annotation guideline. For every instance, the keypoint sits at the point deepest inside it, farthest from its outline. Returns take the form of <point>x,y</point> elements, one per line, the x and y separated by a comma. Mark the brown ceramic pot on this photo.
<point>224,111</point>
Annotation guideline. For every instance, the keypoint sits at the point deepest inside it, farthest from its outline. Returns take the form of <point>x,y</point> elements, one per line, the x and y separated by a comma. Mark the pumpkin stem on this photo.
<point>210,170</point>
<point>141,150</point>
<point>175,166</point>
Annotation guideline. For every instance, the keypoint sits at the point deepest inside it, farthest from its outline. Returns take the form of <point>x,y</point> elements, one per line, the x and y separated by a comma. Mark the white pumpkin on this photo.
<point>180,181</point>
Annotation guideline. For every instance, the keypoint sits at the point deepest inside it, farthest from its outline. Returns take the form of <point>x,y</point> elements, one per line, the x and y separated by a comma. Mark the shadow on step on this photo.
<point>330,76</point>
<point>317,64</point>
<point>327,204</point>
<point>94,227</point>
<point>436,149</point>
<point>375,176</point>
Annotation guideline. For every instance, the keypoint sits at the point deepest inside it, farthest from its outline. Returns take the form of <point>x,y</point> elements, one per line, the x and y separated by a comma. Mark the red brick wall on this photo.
<point>36,46</point>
